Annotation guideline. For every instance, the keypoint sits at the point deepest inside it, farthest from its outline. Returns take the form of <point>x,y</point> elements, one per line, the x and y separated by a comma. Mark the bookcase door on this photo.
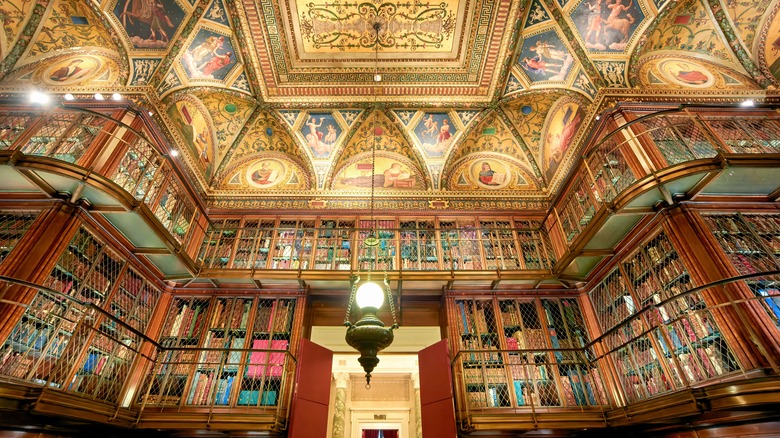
<point>436,397</point>
<point>309,413</point>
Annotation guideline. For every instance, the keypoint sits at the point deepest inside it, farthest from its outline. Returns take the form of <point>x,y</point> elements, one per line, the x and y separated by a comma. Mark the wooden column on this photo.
<point>33,258</point>
<point>741,324</point>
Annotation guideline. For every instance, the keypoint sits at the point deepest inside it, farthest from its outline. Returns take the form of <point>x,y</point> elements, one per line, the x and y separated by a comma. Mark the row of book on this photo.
<point>36,338</point>
<point>189,320</point>
<point>231,313</point>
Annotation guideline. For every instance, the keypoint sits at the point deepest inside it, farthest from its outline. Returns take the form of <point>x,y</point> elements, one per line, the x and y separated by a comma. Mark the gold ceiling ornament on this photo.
<point>369,335</point>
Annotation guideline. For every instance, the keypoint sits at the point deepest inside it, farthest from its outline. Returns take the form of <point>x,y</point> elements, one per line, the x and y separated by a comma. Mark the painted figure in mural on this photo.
<point>594,22</point>
<point>330,138</point>
<point>560,141</point>
<point>538,65</point>
<point>487,174</point>
<point>150,12</point>
<point>215,63</point>
<point>431,127</point>
<point>262,175</point>
<point>546,50</point>
<point>618,23</point>
<point>686,73</point>
<point>202,145</point>
<point>314,138</point>
<point>205,48</point>
<point>66,72</point>
<point>444,132</point>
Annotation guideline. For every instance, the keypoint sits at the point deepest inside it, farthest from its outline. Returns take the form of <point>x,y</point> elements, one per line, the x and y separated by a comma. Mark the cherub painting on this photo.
<point>209,56</point>
<point>607,25</point>
<point>321,132</point>
<point>435,133</point>
<point>545,58</point>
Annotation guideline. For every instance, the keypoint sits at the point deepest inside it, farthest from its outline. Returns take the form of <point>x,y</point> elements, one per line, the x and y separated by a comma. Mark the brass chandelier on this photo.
<point>369,335</point>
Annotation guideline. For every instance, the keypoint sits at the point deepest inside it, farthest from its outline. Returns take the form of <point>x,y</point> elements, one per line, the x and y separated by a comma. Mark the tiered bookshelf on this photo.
<point>215,372</point>
<point>334,245</point>
<point>384,255</point>
<point>460,245</point>
<point>219,246</point>
<point>183,328</point>
<point>683,342</point>
<point>577,207</point>
<point>527,370</point>
<point>499,245</point>
<point>253,244</point>
<point>535,251</point>
<point>13,225</point>
<point>752,244</point>
<point>262,378</point>
<point>12,125</point>
<point>419,251</point>
<point>293,244</point>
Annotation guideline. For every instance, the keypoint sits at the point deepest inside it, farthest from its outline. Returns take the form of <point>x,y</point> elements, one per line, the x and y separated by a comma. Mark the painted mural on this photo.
<point>210,55</point>
<point>544,57</point>
<point>488,171</point>
<point>435,132</point>
<point>686,73</point>
<point>347,25</point>
<point>771,49</point>
<point>266,173</point>
<point>72,70</point>
<point>321,132</point>
<point>69,24</point>
<point>14,14</point>
<point>561,127</point>
<point>490,174</point>
<point>607,25</point>
<point>190,119</point>
<point>150,24</point>
<point>390,172</point>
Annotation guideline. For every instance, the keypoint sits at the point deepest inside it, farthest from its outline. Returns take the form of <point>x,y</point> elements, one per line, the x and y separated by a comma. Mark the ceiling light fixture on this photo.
<point>748,103</point>
<point>369,335</point>
<point>116,96</point>
<point>99,96</point>
<point>68,96</point>
<point>174,153</point>
<point>39,97</point>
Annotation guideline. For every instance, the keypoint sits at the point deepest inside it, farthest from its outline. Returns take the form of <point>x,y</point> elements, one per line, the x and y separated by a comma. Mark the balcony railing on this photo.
<point>88,139</point>
<point>663,347</point>
<point>66,345</point>
<point>653,143</point>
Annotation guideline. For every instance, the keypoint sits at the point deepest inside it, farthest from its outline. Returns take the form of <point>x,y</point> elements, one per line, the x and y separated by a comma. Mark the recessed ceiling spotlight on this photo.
<point>174,153</point>
<point>598,117</point>
<point>151,113</point>
<point>39,97</point>
<point>99,96</point>
<point>68,96</point>
<point>747,103</point>
<point>116,96</point>
<point>377,77</point>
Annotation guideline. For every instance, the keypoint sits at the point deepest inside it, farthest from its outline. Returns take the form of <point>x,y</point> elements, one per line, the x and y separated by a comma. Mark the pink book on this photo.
<point>276,360</point>
<point>257,358</point>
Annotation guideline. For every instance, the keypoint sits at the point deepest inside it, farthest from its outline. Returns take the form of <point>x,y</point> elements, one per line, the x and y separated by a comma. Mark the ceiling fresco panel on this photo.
<point>607,26</point>
<point>545,58</point>
<point>150,25</point>
<point>68,25</point>
<point>689,29</point>
<point>345,30</point>
<point>15,14</point>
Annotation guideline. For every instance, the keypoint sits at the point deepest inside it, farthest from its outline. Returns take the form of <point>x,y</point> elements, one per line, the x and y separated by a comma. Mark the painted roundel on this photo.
<point>266,173</point>
<point>686,73</point>
<point>73,70</point>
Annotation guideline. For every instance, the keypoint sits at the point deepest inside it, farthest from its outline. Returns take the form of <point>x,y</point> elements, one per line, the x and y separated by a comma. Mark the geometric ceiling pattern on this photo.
<point>272,98</point>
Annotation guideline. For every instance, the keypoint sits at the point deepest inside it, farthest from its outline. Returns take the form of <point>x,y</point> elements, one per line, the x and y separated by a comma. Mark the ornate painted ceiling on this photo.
<point>479,100</point>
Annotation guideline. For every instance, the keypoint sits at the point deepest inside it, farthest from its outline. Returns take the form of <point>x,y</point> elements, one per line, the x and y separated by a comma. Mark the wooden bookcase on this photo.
<point>13,225</point>
<point>676,340</point>
<point>507,352</point>
<point>419,251</point>
<point>214,363</point>
<point>334,244</point>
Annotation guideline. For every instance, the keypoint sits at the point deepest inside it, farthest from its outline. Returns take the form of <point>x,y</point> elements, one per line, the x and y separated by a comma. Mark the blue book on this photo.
<point>224,397</point>
<point>269,398</point>
<point>519,392</point>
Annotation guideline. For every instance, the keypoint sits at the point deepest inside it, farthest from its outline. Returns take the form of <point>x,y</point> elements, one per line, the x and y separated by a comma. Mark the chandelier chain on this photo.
<point>354,281</point>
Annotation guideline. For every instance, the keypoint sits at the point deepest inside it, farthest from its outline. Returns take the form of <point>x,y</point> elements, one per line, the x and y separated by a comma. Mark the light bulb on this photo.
<point>377,77</point>
<point>39,97</point>
<point>370,294</point>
